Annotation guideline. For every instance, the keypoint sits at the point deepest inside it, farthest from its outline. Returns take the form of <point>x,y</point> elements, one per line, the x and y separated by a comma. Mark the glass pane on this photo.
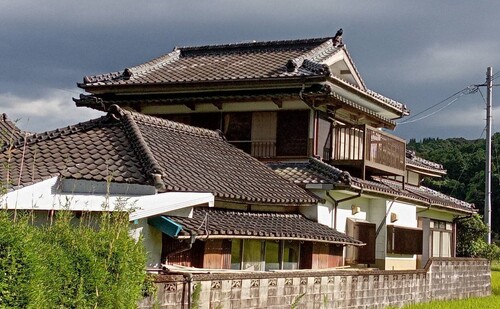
<point>236,254</point>
<point>291,255</point>
<point>436,243</point>
<point>446,245</point>
<point>272,255</point>
<point>448,226</point>
<point>252,254</point>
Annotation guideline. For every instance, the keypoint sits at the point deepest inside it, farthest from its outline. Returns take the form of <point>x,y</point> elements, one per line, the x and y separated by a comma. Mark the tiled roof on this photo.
<point>413,159</point>
<point>92,150</point>
<point>218,62</point>
<point>240,224</point>
<point>134,148</point>
<point>317,172</point>
<point>243,62</point>
<point>423,194</point>
<point>9,132</point>
<point>313,171</point>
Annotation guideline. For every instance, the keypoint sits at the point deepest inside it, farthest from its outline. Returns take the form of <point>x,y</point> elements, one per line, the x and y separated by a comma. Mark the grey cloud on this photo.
<point>414,52</point>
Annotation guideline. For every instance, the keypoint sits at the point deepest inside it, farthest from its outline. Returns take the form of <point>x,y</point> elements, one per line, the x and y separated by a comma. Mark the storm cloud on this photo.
<point>416,52</point>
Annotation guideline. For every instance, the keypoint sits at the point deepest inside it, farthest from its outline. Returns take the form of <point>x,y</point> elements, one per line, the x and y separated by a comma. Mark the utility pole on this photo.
<point>487,189</point>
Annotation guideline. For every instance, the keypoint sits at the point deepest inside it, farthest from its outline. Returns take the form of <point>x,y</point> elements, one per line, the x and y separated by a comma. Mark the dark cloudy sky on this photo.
<point>416,52</point>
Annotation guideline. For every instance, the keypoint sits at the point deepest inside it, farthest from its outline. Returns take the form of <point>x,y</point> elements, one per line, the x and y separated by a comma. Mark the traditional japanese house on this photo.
<point>302,107</point>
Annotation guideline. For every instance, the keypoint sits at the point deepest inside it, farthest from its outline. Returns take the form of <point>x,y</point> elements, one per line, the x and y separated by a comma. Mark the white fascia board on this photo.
<point>44,196</point>
<point>148,206</point>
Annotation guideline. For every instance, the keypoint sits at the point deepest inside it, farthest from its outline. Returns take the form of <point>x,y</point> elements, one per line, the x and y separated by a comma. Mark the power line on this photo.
<point>457,95</point>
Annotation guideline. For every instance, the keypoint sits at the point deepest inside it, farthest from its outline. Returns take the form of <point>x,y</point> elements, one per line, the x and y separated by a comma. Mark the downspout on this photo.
<point>337,202</point>
<point>381,225</point>
<point>192,239</point>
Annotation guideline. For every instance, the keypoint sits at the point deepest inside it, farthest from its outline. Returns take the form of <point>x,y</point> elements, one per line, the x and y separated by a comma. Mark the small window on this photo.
<point>236,254</point>
<point>292,133</point>
<point>237,128</point>
<point>404,240</point>
<point>272,255</point>
<point>252,254</point>
<point>291,255</point>
<point>441,238</point>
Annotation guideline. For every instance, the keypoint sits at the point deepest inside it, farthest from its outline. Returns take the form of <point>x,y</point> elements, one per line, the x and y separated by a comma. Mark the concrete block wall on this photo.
<point>449,278</point>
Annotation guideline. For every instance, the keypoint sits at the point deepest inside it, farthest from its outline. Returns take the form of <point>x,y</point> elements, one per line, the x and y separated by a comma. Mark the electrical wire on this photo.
<point>457,95</point>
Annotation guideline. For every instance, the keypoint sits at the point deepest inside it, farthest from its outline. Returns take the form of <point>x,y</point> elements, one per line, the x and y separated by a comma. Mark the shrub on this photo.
<point>70,263</point>
<point>471,242</point>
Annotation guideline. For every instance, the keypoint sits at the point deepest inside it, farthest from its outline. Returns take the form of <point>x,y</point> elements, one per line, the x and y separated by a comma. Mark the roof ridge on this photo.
<point>141,148</point>
<point>298,62</point>
<point>52,134</point>
<point>331,171</point>
<point>280,43</point>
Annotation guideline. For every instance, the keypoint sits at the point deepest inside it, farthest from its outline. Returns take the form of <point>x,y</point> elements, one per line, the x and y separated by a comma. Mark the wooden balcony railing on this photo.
<point>269,149</point>
<point>258,149</point>
<point>364,146</point>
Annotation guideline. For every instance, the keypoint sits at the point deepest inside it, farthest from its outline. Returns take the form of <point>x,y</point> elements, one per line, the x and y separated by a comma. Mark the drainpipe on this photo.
<point>192,238</point>
<point>189,278</point>
<point>337,202</point>
<point>379,228</point>
<point>429,204</point>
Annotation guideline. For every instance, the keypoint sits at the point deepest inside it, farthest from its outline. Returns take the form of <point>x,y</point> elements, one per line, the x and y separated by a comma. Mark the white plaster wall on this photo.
<point>322,213</point>
<point>376,215</point>
<point>344,210</point>
<point>152,240</point>
<point>407,214</point>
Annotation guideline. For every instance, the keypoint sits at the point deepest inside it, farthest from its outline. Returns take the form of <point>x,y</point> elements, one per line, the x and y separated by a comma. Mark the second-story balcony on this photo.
<point>366,149</point>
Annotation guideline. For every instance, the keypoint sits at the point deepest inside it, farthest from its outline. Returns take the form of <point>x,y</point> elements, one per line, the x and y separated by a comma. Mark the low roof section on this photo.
<point>316,174</point>
<point>131,148</point>
<point>216,223</point>
<point>263,66</point>
<point>423,166</point>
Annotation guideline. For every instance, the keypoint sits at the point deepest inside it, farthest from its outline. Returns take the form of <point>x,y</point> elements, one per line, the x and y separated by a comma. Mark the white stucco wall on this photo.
<point>152,240</point>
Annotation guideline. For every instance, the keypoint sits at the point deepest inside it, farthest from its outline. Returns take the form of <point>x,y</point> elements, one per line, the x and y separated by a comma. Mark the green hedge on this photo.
<point>70,263</point>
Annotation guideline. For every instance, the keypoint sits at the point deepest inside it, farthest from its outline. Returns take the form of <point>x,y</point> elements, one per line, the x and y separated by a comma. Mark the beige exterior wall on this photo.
<point>412,178</point>
<point>152,240</point>
<point>401,263</point>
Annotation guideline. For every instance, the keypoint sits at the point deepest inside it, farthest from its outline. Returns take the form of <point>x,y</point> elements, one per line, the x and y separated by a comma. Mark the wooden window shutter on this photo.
<point>404,240</point>
<point>365,232</point>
